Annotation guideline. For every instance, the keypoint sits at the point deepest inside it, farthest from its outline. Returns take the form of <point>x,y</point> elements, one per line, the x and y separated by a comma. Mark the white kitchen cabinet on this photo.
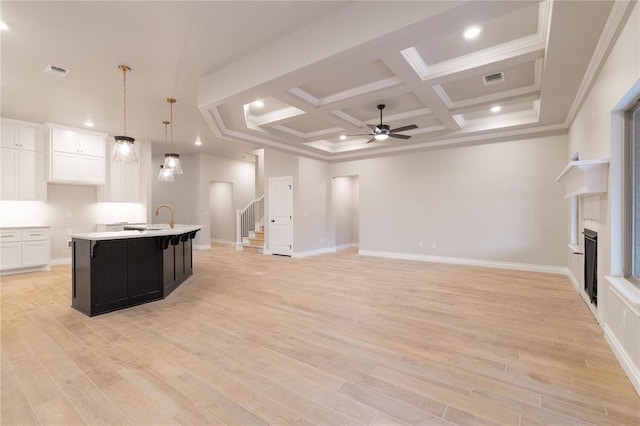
<point>10,256</point>
<point>123,180</point>
<point>24,248</point>
<point>76,156</point>
<point>22,162</point>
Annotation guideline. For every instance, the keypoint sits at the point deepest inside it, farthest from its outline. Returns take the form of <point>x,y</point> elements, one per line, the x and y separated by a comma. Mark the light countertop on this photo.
<point>153,230</point>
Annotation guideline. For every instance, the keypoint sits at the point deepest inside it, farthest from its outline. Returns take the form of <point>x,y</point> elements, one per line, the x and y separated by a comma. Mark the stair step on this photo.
<point>259,234</point>
<point>256,241</point>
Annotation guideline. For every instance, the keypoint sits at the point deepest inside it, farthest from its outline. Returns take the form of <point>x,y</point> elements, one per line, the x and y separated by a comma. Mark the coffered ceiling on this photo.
<point>319,68</point>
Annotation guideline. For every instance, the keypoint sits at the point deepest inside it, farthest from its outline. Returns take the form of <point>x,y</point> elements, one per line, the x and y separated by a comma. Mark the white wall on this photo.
<point>278,164</point>
<point>345,211</point>
<point>310,206</point>
<point>596,136</point>
<point>221,212</point>
<point>239,173</point>
<point>496,202</point>
<point>189,194</point>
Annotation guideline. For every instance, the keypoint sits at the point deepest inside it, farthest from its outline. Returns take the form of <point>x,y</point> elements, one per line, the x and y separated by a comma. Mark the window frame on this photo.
<point>631,178</point>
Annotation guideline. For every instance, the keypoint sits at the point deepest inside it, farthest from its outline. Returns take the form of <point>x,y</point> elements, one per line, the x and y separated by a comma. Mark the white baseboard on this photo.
<point>202,246</point>
<point>345,246</point>
<point>633,373</point>
<point>469,262</point>
<point>61,261</point>
<point>312,253</point>
<point>25,270</point>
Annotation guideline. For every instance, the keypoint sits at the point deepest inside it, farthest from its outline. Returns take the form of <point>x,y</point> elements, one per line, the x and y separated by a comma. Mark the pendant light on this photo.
<point>172,160</point>
<point>124,150</point>
<point>165,175</point>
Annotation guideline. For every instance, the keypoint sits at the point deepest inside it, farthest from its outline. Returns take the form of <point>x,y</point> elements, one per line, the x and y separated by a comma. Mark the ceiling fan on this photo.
<point>383,131</point>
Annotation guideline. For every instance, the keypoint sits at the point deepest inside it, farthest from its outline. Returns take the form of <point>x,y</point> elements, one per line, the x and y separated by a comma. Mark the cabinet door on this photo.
<point>9,174</point>
<point>63,140</point>
<point>10,256</point>
<point>64,167</point>
<point>109,289</point>
<point>8,136</point>
<point>91,169</point>
<point>90,144</point>
<point>31,184</point>
<point>35,253</point>
<point>29,138</point>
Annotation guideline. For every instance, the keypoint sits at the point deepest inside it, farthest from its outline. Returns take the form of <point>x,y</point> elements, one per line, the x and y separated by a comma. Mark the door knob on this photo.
<point>273,220</point>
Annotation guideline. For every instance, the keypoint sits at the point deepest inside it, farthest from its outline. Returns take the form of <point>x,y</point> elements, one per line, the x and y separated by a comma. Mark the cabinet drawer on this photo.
<point>10,235</point>
<point>35,234</point>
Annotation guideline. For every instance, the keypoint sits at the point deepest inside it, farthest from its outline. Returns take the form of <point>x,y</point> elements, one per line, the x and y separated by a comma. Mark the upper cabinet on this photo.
<point>76,156</point>
<point>22,175</point>
<point>123,180</point>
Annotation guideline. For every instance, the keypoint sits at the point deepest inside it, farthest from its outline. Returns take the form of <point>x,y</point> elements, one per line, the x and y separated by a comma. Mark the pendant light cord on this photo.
<point>124,97</point>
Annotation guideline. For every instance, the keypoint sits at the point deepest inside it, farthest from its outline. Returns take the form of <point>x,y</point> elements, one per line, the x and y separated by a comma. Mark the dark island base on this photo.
<point>114,274</point>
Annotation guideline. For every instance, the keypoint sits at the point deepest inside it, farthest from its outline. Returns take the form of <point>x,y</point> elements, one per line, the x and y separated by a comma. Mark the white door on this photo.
<point>281,215</point>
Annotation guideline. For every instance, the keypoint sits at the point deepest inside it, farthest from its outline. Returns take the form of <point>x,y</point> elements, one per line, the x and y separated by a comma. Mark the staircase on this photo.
<point>250,234</point>
<point>255,242</point>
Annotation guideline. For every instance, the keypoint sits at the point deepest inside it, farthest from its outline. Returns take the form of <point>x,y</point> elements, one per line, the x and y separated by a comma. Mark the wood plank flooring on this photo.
<point>333,340</point>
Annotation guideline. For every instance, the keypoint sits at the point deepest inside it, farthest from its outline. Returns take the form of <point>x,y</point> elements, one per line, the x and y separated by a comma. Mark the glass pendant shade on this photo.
<point>172,162</point>
<point>165,175</point>
<point>124,150</point>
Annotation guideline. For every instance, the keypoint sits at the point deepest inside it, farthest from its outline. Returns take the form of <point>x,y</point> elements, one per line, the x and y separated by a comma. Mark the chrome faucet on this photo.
<point>171,222</point>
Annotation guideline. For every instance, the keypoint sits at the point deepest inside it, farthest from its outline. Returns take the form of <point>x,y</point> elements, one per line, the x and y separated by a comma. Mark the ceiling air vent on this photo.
<point>57,71</point>
<point>493,78</point>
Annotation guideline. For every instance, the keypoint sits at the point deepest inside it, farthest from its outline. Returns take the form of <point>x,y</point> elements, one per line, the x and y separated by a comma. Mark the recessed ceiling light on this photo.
<point>496,108</point>
<point>343,137</point>
<point>88,123</point>
<point>3,26</point>
<point>472,31</point>
<point>258,104</point>
<point>198,142</point>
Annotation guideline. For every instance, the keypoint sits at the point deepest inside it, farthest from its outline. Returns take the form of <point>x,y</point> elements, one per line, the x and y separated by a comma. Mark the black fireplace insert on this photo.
<point>591,265</point>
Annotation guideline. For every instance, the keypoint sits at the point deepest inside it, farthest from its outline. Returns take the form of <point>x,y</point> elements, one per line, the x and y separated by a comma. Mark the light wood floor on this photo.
<point>332,340</point>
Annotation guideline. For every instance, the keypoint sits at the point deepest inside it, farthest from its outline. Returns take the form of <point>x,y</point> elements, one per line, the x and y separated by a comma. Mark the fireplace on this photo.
<point>591,265</point>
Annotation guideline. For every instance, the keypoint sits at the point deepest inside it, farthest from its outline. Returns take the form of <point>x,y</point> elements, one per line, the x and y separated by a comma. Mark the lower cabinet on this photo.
<point>177,261</point>
<point>114,274</point>
<point>24,248</point>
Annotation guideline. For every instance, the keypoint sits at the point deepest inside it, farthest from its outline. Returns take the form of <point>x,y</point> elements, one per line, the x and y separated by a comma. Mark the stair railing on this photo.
<point>247,220</point>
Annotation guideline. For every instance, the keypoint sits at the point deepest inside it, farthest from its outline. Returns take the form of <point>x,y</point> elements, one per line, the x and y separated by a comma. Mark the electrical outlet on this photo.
<point>624,318</point>
<point>68,243</point>
<point>433,245</point>
<point>69,214</point>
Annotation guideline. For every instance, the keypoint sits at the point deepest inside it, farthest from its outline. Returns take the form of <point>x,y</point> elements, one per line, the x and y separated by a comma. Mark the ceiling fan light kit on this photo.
<point>124,150</point>
<point>380,132</point>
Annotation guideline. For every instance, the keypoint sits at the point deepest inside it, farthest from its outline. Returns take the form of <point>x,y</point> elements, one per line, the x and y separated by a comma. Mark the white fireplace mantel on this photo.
<point>585,177</point>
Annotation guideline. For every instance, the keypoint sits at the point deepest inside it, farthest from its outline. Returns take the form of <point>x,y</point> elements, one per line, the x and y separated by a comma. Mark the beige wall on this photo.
<point>495,202</point>
<point>310,206</point>
<point>189,194</point>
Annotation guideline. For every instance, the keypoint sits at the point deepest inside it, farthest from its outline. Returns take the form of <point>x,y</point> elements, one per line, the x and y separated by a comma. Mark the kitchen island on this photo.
<point>116,270</point>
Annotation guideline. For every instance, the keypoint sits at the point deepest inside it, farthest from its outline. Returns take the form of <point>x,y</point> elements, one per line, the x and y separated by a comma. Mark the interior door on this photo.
<point>281,215</point>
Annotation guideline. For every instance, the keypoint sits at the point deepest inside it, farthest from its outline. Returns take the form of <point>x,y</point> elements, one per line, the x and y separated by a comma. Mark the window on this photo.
<point>632,197</point>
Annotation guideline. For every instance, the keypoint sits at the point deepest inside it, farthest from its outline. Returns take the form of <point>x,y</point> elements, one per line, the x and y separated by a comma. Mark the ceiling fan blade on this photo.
<point>372,126</point>
<point>393,135</point>
<point>371,140</point>
<point>362,134</point>
<point>404,128</point>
